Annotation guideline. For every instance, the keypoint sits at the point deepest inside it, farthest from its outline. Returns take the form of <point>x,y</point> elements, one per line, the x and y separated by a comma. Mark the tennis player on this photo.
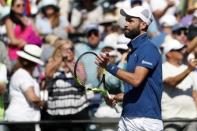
<point>142,77</point>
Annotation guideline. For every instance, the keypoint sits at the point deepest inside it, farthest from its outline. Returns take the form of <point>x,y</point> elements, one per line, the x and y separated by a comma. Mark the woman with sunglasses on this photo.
<point>66,100</point>
<point>20,29</point>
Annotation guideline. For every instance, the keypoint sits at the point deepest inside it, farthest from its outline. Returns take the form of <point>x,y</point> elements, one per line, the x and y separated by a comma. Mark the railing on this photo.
<point>91,121</point>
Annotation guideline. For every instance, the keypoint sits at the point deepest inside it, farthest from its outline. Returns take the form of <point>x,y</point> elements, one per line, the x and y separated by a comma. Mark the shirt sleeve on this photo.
<point>165,71</point>
<point>3,73</point>
<point>194,78</point>
<point>25,82</point>
<point>148,58</point>
<point>63,22</point>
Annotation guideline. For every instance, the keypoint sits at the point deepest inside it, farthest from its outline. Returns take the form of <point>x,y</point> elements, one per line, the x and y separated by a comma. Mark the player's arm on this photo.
<point>136,78</point>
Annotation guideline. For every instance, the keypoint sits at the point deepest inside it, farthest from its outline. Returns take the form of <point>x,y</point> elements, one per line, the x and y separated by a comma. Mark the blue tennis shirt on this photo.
<point>145,100</point>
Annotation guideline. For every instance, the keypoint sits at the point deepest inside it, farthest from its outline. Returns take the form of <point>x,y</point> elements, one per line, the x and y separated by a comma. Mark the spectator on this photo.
<point>163,7</point>
<point>95,45</point>
<point>123,51</point>
<point>24,91</point>
<point>112,82</point>
<point>180,84</point>
<point>4,13</point>
<point>3,82</point>
<point>193,54</point>
<point>113,85</point>
<point>180,33</point>
<point>166,29</point>
<point>192,30</point>
<point>67,101</point>
<point>85,13</point>
<point>49,21</point>
<point>191,7</point>
<point>20,30</point>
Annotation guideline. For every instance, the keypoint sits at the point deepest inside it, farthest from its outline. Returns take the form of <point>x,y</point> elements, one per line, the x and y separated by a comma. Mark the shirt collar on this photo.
<point>139,40</point>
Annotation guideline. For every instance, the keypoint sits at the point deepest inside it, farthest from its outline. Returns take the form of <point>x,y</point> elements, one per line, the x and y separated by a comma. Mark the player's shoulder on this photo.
<point>149,47</point>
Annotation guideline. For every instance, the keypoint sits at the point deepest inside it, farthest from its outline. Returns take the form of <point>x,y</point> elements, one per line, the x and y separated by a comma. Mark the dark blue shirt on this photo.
<point>145,100</point>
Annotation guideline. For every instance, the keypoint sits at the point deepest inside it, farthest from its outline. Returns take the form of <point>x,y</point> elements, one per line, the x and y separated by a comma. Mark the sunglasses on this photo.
<point>180,32</point>
<point>95,33</point>
<point>20,5</point>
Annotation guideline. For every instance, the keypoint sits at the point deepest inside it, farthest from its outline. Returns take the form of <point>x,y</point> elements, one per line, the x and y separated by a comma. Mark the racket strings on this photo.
<point>88,60</point>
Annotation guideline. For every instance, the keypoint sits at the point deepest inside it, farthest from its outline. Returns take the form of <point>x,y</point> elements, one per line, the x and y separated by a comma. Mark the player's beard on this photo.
<point>132,33</point>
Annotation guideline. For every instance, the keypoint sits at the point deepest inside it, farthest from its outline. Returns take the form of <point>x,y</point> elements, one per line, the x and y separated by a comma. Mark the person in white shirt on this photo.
<point>50,21</point>
<point>179,98</point>
<point>24,91</point>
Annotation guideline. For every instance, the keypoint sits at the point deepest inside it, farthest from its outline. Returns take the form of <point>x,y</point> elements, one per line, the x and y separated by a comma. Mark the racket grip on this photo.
<point>116,106</point>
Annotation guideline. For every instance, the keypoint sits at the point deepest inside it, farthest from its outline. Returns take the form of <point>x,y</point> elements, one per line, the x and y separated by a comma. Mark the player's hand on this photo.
<point>124,57</point>
<point>110,100</point>
<point>102,60</point>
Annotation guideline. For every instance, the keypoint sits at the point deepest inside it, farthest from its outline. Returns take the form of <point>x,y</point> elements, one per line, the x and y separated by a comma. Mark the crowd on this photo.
<point>40,41</point>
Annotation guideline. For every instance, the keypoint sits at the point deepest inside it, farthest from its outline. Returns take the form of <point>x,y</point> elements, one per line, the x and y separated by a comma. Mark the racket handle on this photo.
<point>116,106</point>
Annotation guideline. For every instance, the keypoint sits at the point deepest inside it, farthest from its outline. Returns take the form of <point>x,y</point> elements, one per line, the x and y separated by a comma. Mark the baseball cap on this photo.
<point>171,45</point>
<point>168,21</point>
<point>178,27</point>
<point>91,27</point>
<point>122,42</point>
<point>138,11</point>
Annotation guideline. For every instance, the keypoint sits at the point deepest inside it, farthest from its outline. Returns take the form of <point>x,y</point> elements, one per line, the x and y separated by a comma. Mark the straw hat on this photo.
<point>31,53</point>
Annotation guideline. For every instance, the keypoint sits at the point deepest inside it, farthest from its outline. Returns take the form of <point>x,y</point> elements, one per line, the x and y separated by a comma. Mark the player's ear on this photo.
<point>143,26</point>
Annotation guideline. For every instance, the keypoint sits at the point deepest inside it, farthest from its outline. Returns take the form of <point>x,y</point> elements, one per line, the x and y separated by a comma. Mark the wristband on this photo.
<point>112,69</point>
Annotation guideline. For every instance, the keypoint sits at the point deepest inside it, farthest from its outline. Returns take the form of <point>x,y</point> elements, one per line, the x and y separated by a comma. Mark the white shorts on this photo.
<point>140,124</point>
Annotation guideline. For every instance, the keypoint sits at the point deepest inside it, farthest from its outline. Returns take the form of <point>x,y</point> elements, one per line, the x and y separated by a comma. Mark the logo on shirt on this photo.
<point>147,63</point>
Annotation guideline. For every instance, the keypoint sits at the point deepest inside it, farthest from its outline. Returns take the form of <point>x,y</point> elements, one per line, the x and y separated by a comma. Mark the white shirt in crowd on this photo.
<point>177,102</point>
<point>161,4</point>
<point>19,108</point>
<point>3,73</point>
<point>44,27</point>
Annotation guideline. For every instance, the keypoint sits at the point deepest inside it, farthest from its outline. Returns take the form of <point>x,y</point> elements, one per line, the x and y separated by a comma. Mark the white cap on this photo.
<point>168,20</point>
<point>138,11</point>
<point>122,42</point>
<point>32,53</point>
<point>171,45</point>
<point>91,26</point>
<point>4,11</point>
<point>45,3</point>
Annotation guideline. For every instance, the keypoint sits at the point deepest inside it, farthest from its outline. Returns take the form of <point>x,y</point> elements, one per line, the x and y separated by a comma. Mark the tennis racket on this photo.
<point>87,85</point>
